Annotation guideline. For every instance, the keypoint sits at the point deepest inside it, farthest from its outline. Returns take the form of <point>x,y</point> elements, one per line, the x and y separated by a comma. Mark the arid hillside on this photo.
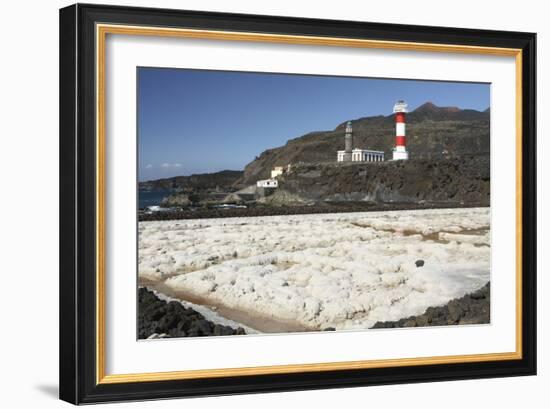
<point>432,133</point>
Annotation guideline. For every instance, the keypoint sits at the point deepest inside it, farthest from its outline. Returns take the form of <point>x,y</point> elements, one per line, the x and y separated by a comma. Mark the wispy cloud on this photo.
<point>171,165</point>
<point>149,166</point>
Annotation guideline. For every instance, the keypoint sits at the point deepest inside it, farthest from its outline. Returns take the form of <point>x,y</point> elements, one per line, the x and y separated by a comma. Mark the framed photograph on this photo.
<point>257,203</point>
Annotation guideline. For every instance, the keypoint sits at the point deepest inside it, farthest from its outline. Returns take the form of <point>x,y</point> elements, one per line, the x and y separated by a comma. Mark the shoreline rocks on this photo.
<point>176,200</point>
<point>326,207</point>
<point>473,308</point>
<point>160,319</point>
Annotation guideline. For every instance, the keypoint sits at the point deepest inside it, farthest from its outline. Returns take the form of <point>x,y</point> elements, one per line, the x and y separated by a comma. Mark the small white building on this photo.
<point>276,171</point>
<point>273,183</point>
<point>362,155</point>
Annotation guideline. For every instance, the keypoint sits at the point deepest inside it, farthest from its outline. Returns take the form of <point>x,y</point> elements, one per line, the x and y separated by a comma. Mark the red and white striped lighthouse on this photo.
<point>400,150</point>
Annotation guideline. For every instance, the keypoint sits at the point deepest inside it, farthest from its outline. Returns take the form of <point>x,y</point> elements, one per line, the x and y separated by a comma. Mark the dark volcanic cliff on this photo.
<point>194,183</point>
<point>457,180</point>
<point>432,133</point>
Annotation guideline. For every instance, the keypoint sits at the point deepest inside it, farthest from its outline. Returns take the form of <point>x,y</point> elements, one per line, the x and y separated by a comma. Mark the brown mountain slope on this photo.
<point>432,132</point>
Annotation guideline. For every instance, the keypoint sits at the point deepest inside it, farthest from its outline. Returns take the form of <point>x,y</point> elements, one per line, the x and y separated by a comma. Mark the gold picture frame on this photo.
<point>105,21</point>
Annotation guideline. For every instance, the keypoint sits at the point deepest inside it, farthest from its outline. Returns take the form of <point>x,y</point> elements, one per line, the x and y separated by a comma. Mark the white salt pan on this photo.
<point>331,270</point>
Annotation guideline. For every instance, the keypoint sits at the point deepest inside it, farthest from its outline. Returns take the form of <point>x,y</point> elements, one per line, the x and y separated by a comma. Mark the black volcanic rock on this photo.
<point>172,320</point>
<point>459,180</point>
<point>285,210</point>
<point>473,308</point>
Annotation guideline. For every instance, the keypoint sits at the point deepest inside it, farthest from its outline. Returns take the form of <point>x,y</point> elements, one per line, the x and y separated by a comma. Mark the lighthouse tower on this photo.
<point>400,150</point>
<point>348,143</point>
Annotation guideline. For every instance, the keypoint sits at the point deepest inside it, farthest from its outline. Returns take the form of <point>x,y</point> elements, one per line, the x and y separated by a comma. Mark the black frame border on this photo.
<point>77,286</point>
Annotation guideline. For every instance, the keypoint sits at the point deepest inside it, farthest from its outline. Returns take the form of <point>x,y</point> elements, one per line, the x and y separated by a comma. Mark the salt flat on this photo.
<point>345,270</point>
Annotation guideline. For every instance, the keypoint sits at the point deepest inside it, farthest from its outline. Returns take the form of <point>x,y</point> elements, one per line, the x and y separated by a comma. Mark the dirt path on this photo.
<point>261,323</point>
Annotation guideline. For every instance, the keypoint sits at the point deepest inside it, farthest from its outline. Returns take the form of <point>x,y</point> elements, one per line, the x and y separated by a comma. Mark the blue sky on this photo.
<point>198,121</point>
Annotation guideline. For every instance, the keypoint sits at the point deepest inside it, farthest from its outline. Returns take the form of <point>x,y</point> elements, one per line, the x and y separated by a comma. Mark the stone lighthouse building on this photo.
<point>349,154</point>
<point>348,142</point>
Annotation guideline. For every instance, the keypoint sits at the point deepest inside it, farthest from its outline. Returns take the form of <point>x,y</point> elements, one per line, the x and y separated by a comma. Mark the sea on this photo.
<point>152,197</point>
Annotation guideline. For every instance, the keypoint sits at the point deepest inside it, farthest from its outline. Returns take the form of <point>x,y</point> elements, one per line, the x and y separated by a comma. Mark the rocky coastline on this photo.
<point>473,308</point>
<point>161,319</point>
<point>316,208</point>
